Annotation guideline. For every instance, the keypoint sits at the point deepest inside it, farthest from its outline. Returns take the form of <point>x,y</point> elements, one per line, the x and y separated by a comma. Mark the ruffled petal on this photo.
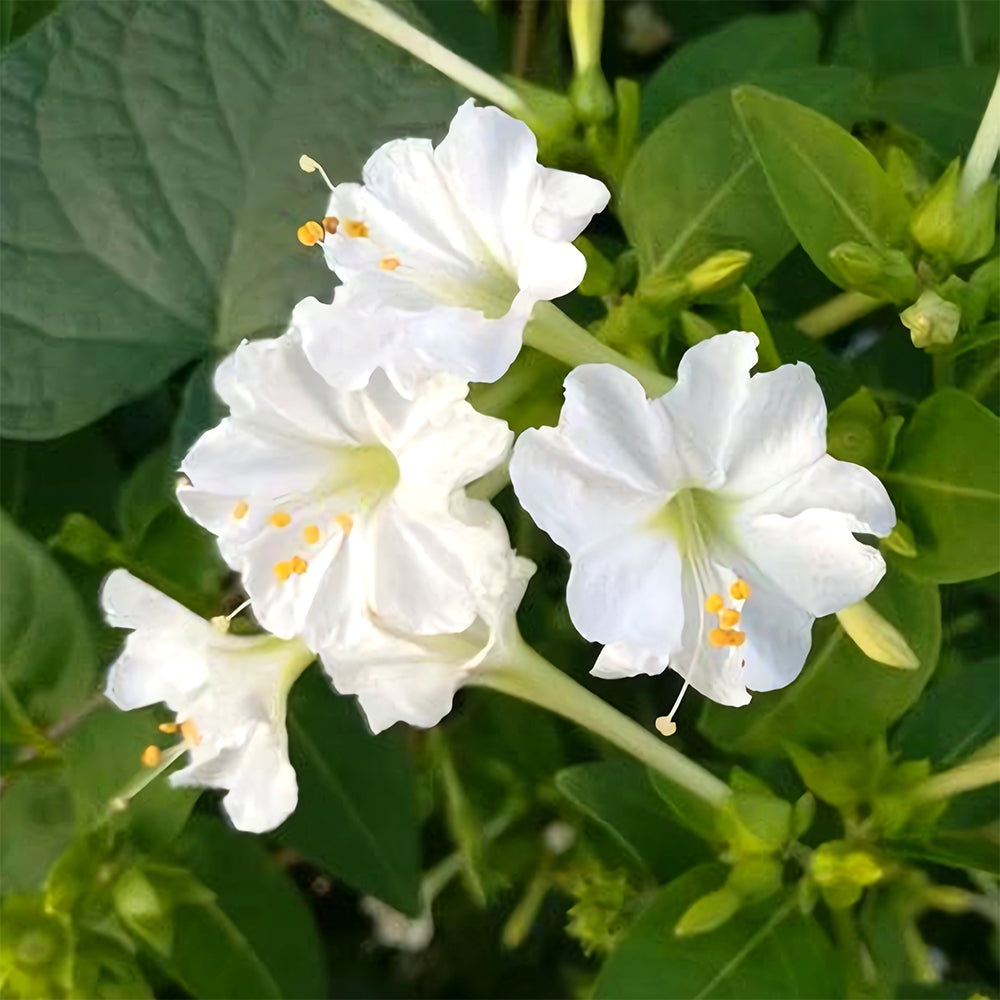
<point>623,659</point>
<point>569,201</point>
<point>263,791</point>
<point>549,268</point>
<point>779,636</point>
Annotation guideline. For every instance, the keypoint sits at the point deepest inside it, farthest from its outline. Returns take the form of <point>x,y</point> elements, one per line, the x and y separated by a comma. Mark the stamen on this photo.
<point>167,727</point>
<point>389,263</point>
<point>728,617</point>
<point>714,603</point>
<point>740,590</point>
<point>737,638</point>
<point>283,570</point>
<point>190,732</point>
<point>311,534</point>
<point>719,637</point>
<point>345,522</point>
<point>150,756</point>
<point>354,228</point>
<point>281,519</point>
<point>299,565</point>
<point>310,233</point>
<point>666,726</point>
<point>309,166</point>
<point>240,510</point>
<point>330,223</point>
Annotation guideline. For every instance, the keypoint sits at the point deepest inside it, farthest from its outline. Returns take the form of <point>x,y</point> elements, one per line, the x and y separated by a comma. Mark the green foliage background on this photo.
<point>151,195</point>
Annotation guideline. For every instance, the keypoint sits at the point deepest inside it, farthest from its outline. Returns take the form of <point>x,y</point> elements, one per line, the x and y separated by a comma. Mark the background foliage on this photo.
<point>150,200</point>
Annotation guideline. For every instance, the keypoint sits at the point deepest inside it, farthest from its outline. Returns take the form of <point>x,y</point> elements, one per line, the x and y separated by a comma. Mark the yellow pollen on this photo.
<point>240,510</point>
<point>740,590</point>
<point>714,603</point>
<point>281,519</point>
<point>354,228</point>
<point>718,637</point>
<point>345,522</point>
<point>167,727</point>
<point>190,732</point>
<point>283,570</point>
<point>310,233</point>
<point>330,223</point>
<point>728,617</point>
<point>389,263</point>
<point>150,756</point>
<point>311,534</point>
<point>299,565</point>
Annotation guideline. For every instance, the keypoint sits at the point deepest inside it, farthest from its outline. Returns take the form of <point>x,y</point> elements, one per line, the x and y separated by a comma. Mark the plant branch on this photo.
<point>836,313</point>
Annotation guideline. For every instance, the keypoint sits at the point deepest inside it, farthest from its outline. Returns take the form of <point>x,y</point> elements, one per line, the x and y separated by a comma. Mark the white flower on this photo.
<point>333,505</point>
<point>413,679</point>
<point>393,929</point>
<point>443,252</point>
<point>228,692</point>
<point>707,528</point>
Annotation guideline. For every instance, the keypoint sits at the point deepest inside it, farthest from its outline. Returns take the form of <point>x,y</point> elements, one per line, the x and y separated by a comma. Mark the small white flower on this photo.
<point>409,678</point>
<point>443,252</point>
<point>228,692</point>
<point>334,505</point>
<point>393,929</point>
<point>708,528</point>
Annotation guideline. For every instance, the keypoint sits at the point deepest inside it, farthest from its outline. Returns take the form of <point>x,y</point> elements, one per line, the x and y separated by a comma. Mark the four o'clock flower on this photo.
<point>707,528</point>
<point>228,692</point>
<point>411,678</point>
<point>443,252</point>
<point>334,505</point>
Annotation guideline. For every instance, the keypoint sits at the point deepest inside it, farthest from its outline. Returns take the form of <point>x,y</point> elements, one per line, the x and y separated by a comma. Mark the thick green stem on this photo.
<point>975,773</point>
<point>530,677</point>
<point>838,312</point>
<point>553,333</point>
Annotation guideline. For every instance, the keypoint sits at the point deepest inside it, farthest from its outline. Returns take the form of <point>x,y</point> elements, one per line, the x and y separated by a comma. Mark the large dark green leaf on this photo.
<point>47,653</point>
<point>357,810</point>
<point>151,189</point>
<point>830,188</point>
<point>619,795</point>
<point>945,482</point>
<point>768,951</point>
<point>257,939</point>
<point>842,697</point>
<point>736,53</point>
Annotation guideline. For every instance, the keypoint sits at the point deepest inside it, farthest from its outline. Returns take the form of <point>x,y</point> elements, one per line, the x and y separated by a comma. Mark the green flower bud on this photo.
<point>695,328</point>
<point>843,872</point>
<point>599,278</point>
<point>858,432</point>
<point>902,169</point>
<point>875,637</point>
<point>901,541</point>
<point>589,91</point>
<point>756,877</point>
<point>881,274</point>
<point>803,813</point>
<point>140,908</point>
<point>718,272</point>
<point>84,539</point>
<point>709,912</point>
<point>931,320</point>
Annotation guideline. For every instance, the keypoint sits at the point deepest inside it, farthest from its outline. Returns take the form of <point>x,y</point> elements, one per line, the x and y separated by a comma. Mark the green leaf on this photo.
<point>975,849</point>
<point>822,707</point>
<point>943,106</point>
<point>767,951</point>
<point>956,715</point>
<point>357,808</point>
<point>945,482</point>
<point>618,794</point>
<point>736,53</point>
<point>152,191</point>
<point>258,938</point>
<point>694,187</point>
<point>47,651</point>
<point>831,189</point>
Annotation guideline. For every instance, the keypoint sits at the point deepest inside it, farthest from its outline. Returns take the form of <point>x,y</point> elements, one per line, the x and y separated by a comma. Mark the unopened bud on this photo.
<point>902,169</point>
<point>718,272</point>
<point>875,637</point>
<point>756,877</point>
<point>84,539</point>
<point>709,912</point>
<point>589,91</point>
<point>901,541</point>
<point>882,274</point>
<point>695,329</point>
<point>931,320</point>
<point>599,278</point>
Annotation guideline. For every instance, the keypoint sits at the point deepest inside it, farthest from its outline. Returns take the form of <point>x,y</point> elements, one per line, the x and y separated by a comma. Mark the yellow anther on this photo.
<point>240,510</point>
<point>728,617</point>
<point>389,263</point>
<point>167,727</point>
<point>714,603</point>
<point>190,732</point>
<point>311,534</point>
<point>354,228</point>
<point>740,590</point>
<point>281,519</point>
<point>299,565</point>
<point>330,223</point>
<point>666,726</point>
<point>151,756</point>
<point>283,570</point>
<point>719,637</point>
<point>310,233</point>
<point>345,522</point>
<point>737,638</point>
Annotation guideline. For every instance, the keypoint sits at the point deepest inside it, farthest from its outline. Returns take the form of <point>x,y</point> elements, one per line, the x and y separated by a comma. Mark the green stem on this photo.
<point>943,364</point>
<point>836,313</point>
<point>850,947</point>
<point>553,333</point>
<point>973,774</point>
<point>530,677</point>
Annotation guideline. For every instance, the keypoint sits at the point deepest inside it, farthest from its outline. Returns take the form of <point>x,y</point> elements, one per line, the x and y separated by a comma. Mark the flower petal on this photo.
<point>623,659</point>
<point>779,636</point>
<point>569,201</point>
